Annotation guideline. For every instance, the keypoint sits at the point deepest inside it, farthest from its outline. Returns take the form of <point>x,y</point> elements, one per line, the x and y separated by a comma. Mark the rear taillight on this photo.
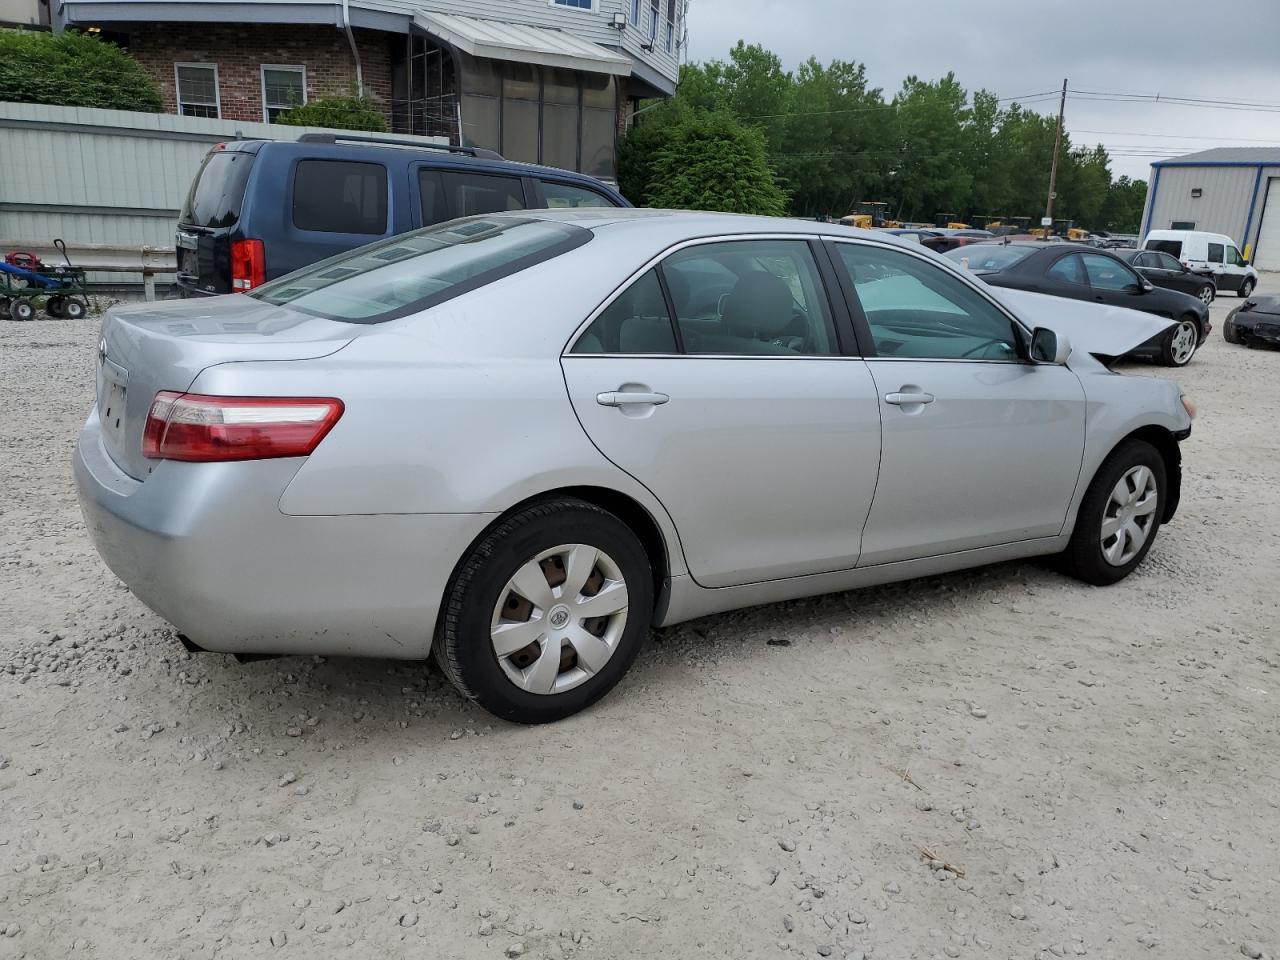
<point>248,265</point>
<point>194,427</point>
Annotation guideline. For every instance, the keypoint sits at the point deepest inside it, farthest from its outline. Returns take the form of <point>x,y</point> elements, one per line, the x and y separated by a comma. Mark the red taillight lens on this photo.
<point>248,265</point>
<point>198,428</point>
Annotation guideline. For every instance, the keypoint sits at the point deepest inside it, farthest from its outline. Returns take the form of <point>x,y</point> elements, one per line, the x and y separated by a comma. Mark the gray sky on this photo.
<point>1185,48</point>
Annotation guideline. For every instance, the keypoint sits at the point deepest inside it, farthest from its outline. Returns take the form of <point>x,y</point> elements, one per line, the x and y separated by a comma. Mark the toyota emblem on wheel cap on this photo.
<point>559,617</point>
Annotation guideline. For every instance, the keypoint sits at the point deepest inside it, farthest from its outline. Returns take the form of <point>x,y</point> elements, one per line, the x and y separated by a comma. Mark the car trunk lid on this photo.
<point>147,348</point>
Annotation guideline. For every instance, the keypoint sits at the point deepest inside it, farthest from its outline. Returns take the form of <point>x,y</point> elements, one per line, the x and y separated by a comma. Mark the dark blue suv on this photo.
<point>259,209</point>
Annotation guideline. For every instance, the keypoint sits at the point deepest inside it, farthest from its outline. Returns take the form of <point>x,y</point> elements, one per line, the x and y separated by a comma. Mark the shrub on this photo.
<point>75,70</point>
<point>336,113</point>
<point>711,161</point>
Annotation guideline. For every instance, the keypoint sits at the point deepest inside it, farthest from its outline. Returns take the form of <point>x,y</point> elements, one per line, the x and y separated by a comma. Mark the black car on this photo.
<point>1082,273</point>
<point>1167,271</point>
<point>1254,322</point>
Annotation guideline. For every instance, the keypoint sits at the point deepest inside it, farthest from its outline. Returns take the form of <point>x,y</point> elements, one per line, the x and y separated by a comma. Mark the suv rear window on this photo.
<point>418,270</point>
<point>1171,247</point>
<point>218,190</point>
<point>340,196</point>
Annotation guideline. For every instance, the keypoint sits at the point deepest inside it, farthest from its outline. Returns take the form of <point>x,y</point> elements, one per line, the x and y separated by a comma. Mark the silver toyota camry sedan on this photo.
<point>520,440</point>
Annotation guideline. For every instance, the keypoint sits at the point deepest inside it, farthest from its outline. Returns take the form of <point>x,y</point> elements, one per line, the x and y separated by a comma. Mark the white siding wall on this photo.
<point>1228,203</point>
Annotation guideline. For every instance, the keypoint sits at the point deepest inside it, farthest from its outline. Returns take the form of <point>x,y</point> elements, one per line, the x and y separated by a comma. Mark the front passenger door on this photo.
<point>978,447</point>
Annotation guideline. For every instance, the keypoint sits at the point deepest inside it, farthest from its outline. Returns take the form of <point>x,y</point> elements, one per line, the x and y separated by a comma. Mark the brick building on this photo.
<point>545,81</point>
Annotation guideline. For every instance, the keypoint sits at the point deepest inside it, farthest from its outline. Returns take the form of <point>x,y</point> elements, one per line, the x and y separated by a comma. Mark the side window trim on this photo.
<point>853,333</point>
<point>676,332</point>
<point>863,327</point>
<point>417,171</point>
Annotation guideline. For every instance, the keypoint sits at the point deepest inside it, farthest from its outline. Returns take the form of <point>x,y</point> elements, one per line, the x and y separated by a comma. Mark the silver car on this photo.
<point>521,440</point>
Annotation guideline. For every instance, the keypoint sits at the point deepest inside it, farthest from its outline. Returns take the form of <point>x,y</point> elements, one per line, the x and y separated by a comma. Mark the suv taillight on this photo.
<point>199,428</point>
<point>248,265</point>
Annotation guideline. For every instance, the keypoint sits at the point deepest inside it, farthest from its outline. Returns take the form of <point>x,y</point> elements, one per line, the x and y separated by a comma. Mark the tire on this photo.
<point>1230,333</point>
<point>1206,294</point>
<point>22,310</point>
<point>1086,557</point>
<point>1246,289</point>
<point>1181,343</point>
<point>4,308</point>
<point>74,309</point>
<point>53,307</point>
<point>543,539</point>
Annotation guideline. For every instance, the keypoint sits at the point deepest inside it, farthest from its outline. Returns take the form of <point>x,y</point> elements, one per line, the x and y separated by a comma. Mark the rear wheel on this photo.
<point>1119,515</point>
<point>1246,289</point>
<point>4,308</point>
<point>547,612</point>
<point>53,307</point>
<point>1205,294</point>
<point>74,308</point>
<point>22,310</point>
<point>1180,343</point>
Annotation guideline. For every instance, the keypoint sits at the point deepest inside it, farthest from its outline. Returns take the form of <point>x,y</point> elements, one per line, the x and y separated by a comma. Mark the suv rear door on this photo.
<point>446,193</point>
<point>209,220</point>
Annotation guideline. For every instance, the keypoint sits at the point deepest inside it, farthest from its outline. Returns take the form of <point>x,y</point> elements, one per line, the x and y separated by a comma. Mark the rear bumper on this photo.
<point>206,547</point>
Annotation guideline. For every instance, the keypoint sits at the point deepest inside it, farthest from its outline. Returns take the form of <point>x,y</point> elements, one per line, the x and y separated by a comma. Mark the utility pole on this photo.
<point>1053,171</point>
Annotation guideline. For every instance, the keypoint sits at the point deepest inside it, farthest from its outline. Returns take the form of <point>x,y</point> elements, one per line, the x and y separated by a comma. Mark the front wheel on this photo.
<point>22,310</point>
<point>547,612</point>
<point>1180,343</point>
<point>1246,289</point>
<point>1119,515</point>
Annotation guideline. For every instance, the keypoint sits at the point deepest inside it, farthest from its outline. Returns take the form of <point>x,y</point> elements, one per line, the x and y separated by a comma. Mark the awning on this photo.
<point>510,41</point>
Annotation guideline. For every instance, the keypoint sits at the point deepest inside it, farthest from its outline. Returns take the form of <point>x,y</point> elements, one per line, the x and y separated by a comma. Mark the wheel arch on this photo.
<point>1167,446</point>
<point>625,507</point>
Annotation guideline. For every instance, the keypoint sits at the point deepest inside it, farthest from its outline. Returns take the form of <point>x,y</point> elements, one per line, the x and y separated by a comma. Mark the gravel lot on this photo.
<point>1092,770</point>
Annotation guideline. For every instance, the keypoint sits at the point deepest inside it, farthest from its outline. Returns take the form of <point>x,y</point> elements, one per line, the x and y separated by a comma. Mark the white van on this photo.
<point>1214,254</point>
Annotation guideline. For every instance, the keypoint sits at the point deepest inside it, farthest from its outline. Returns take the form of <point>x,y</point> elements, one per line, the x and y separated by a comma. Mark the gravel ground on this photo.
<point>989,764</point>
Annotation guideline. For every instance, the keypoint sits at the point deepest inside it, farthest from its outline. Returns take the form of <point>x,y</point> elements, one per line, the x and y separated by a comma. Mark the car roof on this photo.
<point>675,225</point>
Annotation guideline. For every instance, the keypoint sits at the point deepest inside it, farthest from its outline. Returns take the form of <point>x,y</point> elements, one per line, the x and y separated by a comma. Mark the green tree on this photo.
<point>929,123</point>
<point>710,161</point>
<point>1122,211</point>
<point>75,70</point>
<point>336,113</point>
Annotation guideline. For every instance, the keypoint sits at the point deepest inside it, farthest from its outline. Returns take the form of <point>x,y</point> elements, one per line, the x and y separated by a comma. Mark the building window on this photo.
<point>576,4</point>
<point>197,85</point>
<point>1182,225</point>
<point>635,13</point>
<point>671,25</point>
<point>283,88</point>
<point>654,14</point>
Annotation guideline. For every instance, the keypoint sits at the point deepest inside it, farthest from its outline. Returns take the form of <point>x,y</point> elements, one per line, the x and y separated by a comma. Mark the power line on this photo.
<point>1179,136</point>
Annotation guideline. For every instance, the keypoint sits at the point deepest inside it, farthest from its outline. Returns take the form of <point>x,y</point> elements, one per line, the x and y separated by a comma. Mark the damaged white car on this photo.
<point>521,440</point>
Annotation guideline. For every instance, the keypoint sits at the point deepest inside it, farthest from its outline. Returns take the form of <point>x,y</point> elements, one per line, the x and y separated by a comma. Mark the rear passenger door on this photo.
<point>334,206</point>
<point>717,380</point>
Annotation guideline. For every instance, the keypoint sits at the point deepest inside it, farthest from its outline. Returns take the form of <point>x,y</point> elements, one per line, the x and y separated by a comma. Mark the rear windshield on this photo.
<point>418,270</point>
<point>218,190</point>
<point>1171,247</point>
<point>988,258</point>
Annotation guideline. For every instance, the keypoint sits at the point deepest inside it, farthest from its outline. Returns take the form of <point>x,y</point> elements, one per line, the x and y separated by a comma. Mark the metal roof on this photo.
<point>514,41</point>
<point>1227,156</point>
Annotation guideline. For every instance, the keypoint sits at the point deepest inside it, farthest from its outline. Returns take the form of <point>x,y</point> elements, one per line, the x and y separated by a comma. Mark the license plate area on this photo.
<point>112,403</point>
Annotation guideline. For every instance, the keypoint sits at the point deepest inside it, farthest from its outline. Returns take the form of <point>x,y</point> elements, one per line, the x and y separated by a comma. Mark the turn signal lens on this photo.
<point>1188,406</point>
<point>198,428</point>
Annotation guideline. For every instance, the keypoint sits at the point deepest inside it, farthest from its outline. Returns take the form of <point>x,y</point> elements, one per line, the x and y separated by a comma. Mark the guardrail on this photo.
<point>105,258</point>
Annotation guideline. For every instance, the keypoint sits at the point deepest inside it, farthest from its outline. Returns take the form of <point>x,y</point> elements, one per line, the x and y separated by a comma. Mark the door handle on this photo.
<point>903,399</point>
<point>617,398</point>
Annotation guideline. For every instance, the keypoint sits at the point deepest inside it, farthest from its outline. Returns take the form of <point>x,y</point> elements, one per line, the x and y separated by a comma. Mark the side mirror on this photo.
<point>1147,287</point>
<point>1048,347</point>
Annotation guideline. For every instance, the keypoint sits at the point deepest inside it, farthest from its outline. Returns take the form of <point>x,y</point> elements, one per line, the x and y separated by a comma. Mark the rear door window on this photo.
<point>431,196</point>
<point>218,190</point>
<point>475,193</point>
<point>1068,270</point>
<point>1171,247</point>
<point>562,196</point>
<point>340,196</point>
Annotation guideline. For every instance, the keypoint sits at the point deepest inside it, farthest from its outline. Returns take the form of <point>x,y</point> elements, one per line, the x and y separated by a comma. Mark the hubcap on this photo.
<point>1129,516</point>
<point>559,619</point>
<point>1184,342</point>
<point>1206,295</point>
